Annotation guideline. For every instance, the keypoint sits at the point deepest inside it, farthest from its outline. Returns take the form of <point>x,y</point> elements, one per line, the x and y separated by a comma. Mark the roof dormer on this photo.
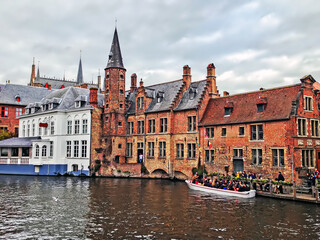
<point>261,104</point>
<point>160,96</point>
<point>228,109</point>
<point>80,101</point>
<point>192,93</point>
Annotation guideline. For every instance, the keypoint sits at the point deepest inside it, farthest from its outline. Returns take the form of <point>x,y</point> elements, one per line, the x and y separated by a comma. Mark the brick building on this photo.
<point>13,99</point>
<point>174,126</point>
<point>266,131</point>
<point>157,123</point>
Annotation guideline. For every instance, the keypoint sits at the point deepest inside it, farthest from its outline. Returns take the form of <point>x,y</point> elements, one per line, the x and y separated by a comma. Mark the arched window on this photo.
<point>37,150</point>
<point>121,76</point>
<point>44,151</point>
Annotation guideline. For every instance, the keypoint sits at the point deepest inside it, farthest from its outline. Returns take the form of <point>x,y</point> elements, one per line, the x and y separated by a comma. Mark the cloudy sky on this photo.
<point>253,44</point>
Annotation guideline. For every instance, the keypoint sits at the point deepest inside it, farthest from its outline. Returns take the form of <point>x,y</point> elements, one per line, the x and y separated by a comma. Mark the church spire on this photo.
<point>80,75</point>
<point>115,58</point>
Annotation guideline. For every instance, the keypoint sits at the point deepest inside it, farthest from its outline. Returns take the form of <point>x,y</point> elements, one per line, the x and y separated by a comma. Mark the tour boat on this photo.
<point>246,194</point>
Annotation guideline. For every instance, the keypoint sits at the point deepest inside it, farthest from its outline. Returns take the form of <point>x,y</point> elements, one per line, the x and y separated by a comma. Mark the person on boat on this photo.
<point>316,173</point>
<point>244,174</point>
<point>195,178</point>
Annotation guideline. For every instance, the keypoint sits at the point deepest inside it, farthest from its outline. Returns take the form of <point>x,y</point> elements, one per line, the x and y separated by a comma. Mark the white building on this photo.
<point>62,120</point>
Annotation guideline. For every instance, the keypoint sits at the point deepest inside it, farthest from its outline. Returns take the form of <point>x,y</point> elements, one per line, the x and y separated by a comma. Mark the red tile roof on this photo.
<point>278,105</point>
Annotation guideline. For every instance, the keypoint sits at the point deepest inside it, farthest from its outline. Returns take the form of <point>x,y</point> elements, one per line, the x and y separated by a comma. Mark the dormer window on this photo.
<point>51,106</point>
<point>77,104</point>
<point>308,103</point>
<point>261,104</point>
<point>260,108</point>
<point>192,93</point>
<point>140,102</point>
<point>160,96</point>
<point>44,107</point>
<point>227,111</point>
<point>33,110</point>
<point>18,99</point>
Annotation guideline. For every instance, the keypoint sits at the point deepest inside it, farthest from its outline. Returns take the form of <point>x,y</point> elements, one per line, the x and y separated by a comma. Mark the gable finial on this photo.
<point>115,23</point>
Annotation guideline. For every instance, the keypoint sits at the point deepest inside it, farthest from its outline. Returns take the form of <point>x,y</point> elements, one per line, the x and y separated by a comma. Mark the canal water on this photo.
<point>74,208</point>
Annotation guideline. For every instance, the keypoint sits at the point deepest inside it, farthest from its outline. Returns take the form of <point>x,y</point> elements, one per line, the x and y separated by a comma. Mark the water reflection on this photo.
<point>72,208</point>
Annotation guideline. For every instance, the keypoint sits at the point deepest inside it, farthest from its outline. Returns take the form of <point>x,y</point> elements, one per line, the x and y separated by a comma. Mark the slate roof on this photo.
<point>27,94</point>
<point>57,83</point>
<point>64,99</point>
<point>191,97</point>
<point>18,142</point>
<point>278,106</point>
<point>80,75</point>
<point>115,58</point>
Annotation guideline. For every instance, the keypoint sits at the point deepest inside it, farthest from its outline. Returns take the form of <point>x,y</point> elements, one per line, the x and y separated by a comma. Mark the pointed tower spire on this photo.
<point>80,75</point>
<point>33,73</point>
<point>115,58</point>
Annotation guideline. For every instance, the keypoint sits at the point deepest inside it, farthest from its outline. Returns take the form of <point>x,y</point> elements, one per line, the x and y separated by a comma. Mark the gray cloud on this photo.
<point>252,43</point>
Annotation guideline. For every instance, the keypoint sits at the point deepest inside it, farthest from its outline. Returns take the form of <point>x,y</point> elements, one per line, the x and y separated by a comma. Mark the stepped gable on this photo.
<point>192,96</point>
<point>27,94</point>
<point>244,106</point>
<point>169,91</point>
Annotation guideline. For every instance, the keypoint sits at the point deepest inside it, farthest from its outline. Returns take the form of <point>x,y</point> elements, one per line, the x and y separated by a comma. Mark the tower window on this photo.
<point>121,91</point>
<point>108,76</point>
<point>121,76</point>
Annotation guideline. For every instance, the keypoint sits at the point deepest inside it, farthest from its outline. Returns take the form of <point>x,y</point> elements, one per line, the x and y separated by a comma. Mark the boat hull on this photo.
<point>223,192</point>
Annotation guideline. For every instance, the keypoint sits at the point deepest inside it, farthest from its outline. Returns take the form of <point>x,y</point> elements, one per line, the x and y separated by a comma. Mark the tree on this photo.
<point>5,135</point>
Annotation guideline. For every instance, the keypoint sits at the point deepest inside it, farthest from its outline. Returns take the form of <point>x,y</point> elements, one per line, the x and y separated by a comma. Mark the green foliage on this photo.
<point>119,170</point>
<point>97,166</point>
<point>126,172</point>
<point>5,135</point>
<point>199,171</point>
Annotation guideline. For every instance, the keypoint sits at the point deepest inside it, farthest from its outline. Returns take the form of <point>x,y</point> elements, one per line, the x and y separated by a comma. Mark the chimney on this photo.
<point>141,83</point>
<point>186,76</point>
<point>133,82</point>
<point>33,74</point>
<point>211,79</point>
<point>49,87</point>
<point>225,93</point>
<point>94,97</point>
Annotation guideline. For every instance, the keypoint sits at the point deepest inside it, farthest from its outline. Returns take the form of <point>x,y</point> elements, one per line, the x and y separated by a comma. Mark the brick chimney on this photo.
<point>211,79</point>
<point>225,93</point>
<point>186,76</point>
<point>49,86</point>
<point>99,81</point>
<point>94,97</point>
<point>133,82</point>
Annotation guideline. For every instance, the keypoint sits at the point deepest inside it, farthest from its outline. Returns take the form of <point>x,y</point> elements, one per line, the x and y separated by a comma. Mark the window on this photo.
<point>33,129</point>
<point>75,168</point>
<point>302,126</point>
<point>314,128</point>
<point>256,156</point>
<point>28,130</point>
<point>160,96</point>
<point>209,156</point>
<point>278,157</point>
<point>40,131</point>
<point>140,102</point>
<point>46,131</point>
<point>210,132</point>
<point>119,145</point>
<point>140,145</point>
<point>14,152</point>
<point>180,150</point>
<point>162,149</point>
<point>260,108</point>
<point>4,152</point>
<point>308,103</point>
<point>4,111</point>
<point>307,158</point>
<point>76,126</point>
<point>24,130</point>
<point>227,111</point>
<point>119,124</point>
<point>191,150</point>
<point>52,128</point>
<point>130,128</point>
<point>224,132</point>
<point>107,105</point>
<point>51,149</point>
<point>121,91</point>
<point>241,131</point>
<point>84,148</point>
<point>237,153</point>
<point>76,148</point>
<point>69,127</point>
<point>151,149</point>
<point>152,125</point>
<point>163,125</point>
<point>77,104</point>
<point>4,128</point>
<point>44,151</point>
<point>68,148</point>
<point>140,127</point>
<point>25,152</point>
<point>191,123</point>
<point>18,112</point>
<point>121,106</point>
<point>256,132</point>
<point>84,126</point>
<point>121,76</point>
<point>129,149</point>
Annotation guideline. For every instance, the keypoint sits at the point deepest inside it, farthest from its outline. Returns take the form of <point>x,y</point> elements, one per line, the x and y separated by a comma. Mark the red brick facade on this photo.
<point>8,120</point>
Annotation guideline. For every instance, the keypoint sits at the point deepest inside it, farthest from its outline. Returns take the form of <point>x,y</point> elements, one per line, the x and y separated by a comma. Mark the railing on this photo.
<point>15,160</point>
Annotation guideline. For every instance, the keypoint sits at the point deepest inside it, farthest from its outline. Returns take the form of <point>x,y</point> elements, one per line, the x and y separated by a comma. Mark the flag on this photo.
<point>209,144</point>
<point>205,133</point>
